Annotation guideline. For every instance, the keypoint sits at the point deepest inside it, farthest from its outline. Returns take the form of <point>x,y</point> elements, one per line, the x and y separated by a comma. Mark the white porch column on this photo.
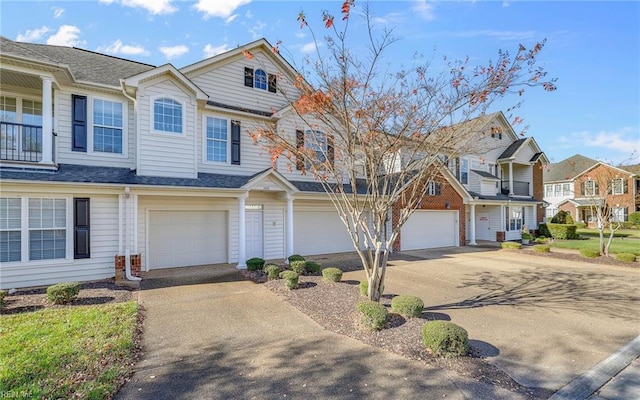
<point>472,224</point>
<point>289,246</point>
<point>242,232</point>
<point>47,121</point>
<point>510,178</point>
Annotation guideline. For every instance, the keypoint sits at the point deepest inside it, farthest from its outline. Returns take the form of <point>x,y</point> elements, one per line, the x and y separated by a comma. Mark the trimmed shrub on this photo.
<point>332,274</point>
<point>407,306</point>
<point>590,253</point>
<point>541,248</point>
<point>290,279</point>
<point>541,240</point>
<point>626,257</point>
<point>3,293</point>
<point>374,315</point>
<point>63,293</point>
<point>562,217</point>
<point>298,266</point>
<point>295,257</point>
<point>445,338</point>
<point>255,264</point>
<point>580,225</point>
<point>527,236</point>
<point>364,287</point>
<point>312,267</point>
<point>563,231</point>
<point>543,229</point>
<point>634,218</point>
<point>511,245</point>
<point>272,270</point>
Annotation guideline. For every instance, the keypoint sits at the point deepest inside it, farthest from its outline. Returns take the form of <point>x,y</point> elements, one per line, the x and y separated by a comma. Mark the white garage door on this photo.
<point>428,229</point>
<point>184,238</point>
<point>319,232</point>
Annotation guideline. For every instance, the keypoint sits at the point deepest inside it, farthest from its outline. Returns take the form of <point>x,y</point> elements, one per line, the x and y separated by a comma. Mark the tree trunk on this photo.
<point>375,279</point>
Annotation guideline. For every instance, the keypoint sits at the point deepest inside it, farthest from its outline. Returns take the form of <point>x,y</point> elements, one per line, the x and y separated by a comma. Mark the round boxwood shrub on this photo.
<point>364,287</point>
<point>541,248</point>
<point>272,270</point>
<point>332,274</point>
<point>626,257</point>
<point>511,245</point>
<point>541,240</point>
<point>445,338</point>
<point>407,305</point>
<point>290,279</point>
<point>298,266</point>
<point>590,253</point>
<point>63,293</point>
<point>312,267</point>
<point>295,257</point>
<point>255,264</point>
<point>374,315</point>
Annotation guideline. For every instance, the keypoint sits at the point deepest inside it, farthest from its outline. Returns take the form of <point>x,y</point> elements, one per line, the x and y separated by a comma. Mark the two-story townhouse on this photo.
<point>112,167</point>
<point>491,195</point>
<point>579,184</point>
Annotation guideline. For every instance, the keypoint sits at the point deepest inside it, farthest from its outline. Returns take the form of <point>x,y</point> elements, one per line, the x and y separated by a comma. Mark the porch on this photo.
<point>22,142</point>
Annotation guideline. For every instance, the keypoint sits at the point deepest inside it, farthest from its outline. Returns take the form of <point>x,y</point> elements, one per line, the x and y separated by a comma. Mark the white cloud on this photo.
<point>67,35</point>
<point>256,30</point>
<point>424,10</point>
<point>118,48</point>
<point>173,51</point>
<point>505,4</point>
<point>308,48</point>
<point>624,141</point>
<point>389,19</point>
<point>107,2</point>
<point>57,12</point>
<point>219,8</point>
<point>230,19</point>
<point>300,34</point>
<point>499,35</point>
<point>32,35</point>
<point>155,7</point>
<point>210,51</point>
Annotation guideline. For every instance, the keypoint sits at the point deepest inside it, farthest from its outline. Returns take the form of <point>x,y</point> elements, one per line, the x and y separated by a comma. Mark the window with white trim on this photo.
<point>108,130</point>
<point>433,189</point>
<point>548,190</point>
<point>167,115</point>
<point>260,79</point>
<point>514,218</point>
<point>566,189</point>
<point>21,111</point>
<point>618,214</point>
<point>217,138</point>
<point>316,141</point>
<point>464,171</point>
<point>617,186</point>
<point>10,229</point>
<point>589,187</point>
<point>557,190</point>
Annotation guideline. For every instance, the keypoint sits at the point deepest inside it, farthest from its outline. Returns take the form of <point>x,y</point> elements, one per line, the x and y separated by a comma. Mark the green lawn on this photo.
<point>619,233</point>
<point>70,352</point>
<point>619,245</point>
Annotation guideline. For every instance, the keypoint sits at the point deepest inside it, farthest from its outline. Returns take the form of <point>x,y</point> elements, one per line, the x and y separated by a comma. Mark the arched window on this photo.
<point>260,80</point>
<point>167,115</point>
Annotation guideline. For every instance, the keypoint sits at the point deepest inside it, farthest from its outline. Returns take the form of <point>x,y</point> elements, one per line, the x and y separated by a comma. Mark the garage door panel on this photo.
<point>429,229</point>
<point>184,238</point>
<point>320,232</point>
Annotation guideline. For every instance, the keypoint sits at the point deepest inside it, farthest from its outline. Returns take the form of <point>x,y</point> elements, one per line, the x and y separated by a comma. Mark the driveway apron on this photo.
<point>209,335</point>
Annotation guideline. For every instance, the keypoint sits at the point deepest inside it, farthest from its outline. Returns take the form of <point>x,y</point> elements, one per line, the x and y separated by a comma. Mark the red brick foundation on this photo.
<point>120,264</point>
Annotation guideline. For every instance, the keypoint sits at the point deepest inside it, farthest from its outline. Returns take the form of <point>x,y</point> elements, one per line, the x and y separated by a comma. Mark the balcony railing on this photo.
<point>20,142</point>
<point>519,188</point>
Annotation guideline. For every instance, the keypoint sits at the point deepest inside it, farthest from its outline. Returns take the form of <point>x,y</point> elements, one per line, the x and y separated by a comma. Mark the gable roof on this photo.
<point>634,169</point>
<point>512,149</point>
<point>568,168</point>
<point>85,65</point>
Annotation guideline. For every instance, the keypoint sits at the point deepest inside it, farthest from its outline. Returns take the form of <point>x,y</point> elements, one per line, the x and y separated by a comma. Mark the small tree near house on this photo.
<point>375,138</point>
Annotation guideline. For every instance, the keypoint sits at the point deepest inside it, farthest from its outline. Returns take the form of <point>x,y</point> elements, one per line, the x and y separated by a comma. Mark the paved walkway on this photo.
<point>209,336</point>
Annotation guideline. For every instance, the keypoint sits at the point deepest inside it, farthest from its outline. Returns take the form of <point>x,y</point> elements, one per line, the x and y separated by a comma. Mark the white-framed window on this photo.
<point>548,190</point>
<point>316,141</point>
<point>108,133</point>
<point>566,189</point>
<point>557,190</point>
<point>514,218</point>
<point>260,79</point>
<point>168,115</point>
<point>618,214</point>
<point>217,139</point>
<point>464,171</point>
<point>41,223</point>
<point>550,212</point>
<point>433,189</point>
<point>26,136</point>
<point>589,187</point>
<point>617,186</point>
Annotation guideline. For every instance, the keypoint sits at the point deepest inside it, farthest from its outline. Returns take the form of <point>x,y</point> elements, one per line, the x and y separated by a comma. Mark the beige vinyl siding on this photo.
<point>488,188</point>
<point>103,245</point>
<point>62,127</point>
<point>166,154</point>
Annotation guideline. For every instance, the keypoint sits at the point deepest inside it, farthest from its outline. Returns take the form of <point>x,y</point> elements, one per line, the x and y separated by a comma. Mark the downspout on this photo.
<point>127,252</point>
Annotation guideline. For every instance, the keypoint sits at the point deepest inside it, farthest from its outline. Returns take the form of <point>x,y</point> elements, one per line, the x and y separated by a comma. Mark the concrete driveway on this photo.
<point>542,320</point>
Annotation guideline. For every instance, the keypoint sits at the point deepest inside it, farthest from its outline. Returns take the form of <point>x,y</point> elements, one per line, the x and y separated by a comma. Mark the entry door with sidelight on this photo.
<point>254,231</point>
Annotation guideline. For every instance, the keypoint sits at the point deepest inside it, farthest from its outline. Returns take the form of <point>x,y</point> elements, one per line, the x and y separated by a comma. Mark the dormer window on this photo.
<point>496,132</point>
<point>259,79</point>
<point>167,116</point>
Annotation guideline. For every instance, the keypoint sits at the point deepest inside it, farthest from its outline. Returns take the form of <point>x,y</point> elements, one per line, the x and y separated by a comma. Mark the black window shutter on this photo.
<point>299,146</point>
<point>625,186</point>
<point>273,83</point>
<point>597,190</point>
<point>235,142</point>
<point>248,76</point>
<point>437,188</point>
<point>81,231</point>
<point>331,153</point>
<point>79,123</point>
<point>583,188</point>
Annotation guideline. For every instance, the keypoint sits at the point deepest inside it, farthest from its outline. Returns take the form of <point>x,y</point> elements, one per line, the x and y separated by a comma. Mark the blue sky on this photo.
<point>593,48</point>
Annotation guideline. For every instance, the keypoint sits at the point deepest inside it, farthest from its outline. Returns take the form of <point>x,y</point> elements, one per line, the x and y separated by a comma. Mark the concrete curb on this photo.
<point>588,383</point>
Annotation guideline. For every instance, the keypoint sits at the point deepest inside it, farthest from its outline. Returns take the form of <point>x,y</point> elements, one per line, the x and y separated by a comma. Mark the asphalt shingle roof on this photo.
<point>485,174</point>
<point>85,65</point>
<point>568,168</point>
<point>511,150</point>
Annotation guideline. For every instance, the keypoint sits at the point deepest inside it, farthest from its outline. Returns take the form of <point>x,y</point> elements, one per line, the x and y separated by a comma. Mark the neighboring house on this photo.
<point>578,184</point>
<point>113,167</point>
<point>491,197</point>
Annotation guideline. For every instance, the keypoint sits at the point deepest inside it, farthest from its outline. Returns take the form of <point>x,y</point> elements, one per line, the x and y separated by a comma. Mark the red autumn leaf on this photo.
<point>247,54</point>
<point>346,8</point>
<point>328,23</point>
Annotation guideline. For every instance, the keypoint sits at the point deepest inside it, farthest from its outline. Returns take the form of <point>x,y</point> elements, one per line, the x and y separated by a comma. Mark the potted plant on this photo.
<point>526,236</point>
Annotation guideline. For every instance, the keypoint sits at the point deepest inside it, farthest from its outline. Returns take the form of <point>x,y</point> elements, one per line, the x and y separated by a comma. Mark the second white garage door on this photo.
<point>427,229</point>
<point>319,232</point>
<point>184,238</point>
